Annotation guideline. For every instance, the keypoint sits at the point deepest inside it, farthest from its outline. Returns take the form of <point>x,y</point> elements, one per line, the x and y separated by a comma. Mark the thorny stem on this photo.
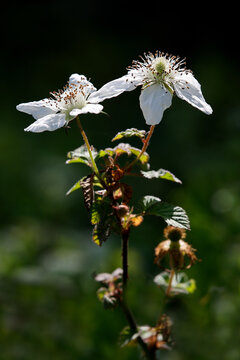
<point>144,148</point>
<point>170,282</point>
<point>150,355</point>
<point>88,146</point>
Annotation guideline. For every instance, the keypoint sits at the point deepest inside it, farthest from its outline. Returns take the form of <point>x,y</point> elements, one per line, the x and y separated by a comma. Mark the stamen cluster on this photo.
<point>71,96</point>
<point>158,68</point>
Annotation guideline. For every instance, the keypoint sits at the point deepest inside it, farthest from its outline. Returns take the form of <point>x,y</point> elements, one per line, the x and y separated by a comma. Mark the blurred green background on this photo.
<point>48,303</point>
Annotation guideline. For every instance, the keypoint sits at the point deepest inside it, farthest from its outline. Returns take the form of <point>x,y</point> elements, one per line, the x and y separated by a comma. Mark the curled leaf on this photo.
<point>129,133</point>
<point>160,174</point>
<point>81,155</point>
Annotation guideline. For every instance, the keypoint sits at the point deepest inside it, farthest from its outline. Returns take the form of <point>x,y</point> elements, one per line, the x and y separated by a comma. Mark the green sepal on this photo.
<point>180,284</point>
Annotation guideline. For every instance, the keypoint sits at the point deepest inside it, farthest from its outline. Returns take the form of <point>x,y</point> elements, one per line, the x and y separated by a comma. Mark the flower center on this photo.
<point>71,97</point>
<point>161,65</point>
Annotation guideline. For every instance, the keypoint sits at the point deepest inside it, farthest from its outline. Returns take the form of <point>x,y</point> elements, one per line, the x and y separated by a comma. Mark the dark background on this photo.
<point>48,304</point>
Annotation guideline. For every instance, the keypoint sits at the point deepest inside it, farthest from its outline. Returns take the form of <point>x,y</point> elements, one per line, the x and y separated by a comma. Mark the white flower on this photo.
<point>64,105</point>
<point>160,76</point>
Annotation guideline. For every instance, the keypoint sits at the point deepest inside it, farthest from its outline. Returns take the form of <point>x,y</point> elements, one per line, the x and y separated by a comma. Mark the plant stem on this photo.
<point>88,146</point>
<point>150,355</point>
<point>125,236</point>
<point>144,148</point>
<point>170,282</point>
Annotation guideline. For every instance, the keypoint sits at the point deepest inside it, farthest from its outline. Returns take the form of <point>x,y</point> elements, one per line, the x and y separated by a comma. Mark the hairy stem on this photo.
<point>88,146</point>
<point>144,148</point>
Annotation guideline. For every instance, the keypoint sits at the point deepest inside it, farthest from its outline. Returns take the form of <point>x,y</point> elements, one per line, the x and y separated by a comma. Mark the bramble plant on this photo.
<point>108,196</point>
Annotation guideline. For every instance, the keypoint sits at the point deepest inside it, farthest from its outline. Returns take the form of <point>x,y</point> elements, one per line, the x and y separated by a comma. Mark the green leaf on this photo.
<point>101,232</point>
<point>173,215</point>
<point>129,133</point>
<point>160,174</point>
<point>180,283</point>
<point>144,158</point>
<point>148,201</point>
<point>81,155</point>
<point>101,209</point>
<point>96,212</point>
<point>125,337</point>
<point>121,149</point>
<point>105,152</point>
<point>101,218</point>
<point>76,186</point>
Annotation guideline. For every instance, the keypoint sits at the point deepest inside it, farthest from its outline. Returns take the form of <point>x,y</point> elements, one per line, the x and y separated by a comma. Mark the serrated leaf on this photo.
<point>173,215</point>
<point>180,283</point>
<point>129,133</point>
<point>160,174</point>
<point>148,201</point>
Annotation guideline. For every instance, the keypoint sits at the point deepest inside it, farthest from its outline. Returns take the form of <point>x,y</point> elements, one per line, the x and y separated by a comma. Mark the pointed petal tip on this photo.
<point>209,111</point>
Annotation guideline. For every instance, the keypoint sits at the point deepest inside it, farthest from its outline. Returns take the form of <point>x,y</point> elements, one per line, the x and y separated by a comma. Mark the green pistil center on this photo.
<point>161,65</point>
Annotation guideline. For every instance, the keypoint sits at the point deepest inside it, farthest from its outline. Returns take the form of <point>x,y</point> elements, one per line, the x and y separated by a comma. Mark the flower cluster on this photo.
<point>160,76</point>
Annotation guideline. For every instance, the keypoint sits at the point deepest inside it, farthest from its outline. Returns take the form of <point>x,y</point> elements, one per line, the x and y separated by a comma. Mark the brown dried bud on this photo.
<point>176,248</point>
<point>174,233</point>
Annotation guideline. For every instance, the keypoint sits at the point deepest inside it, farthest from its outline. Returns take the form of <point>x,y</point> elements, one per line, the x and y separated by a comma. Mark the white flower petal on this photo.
<point>74,78</point>
<point>89,108</point>
<point>188,88</point>
<point>38,109</point>
<point>153,101</point>
<point>113,88</point>
<point>47,123</point>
